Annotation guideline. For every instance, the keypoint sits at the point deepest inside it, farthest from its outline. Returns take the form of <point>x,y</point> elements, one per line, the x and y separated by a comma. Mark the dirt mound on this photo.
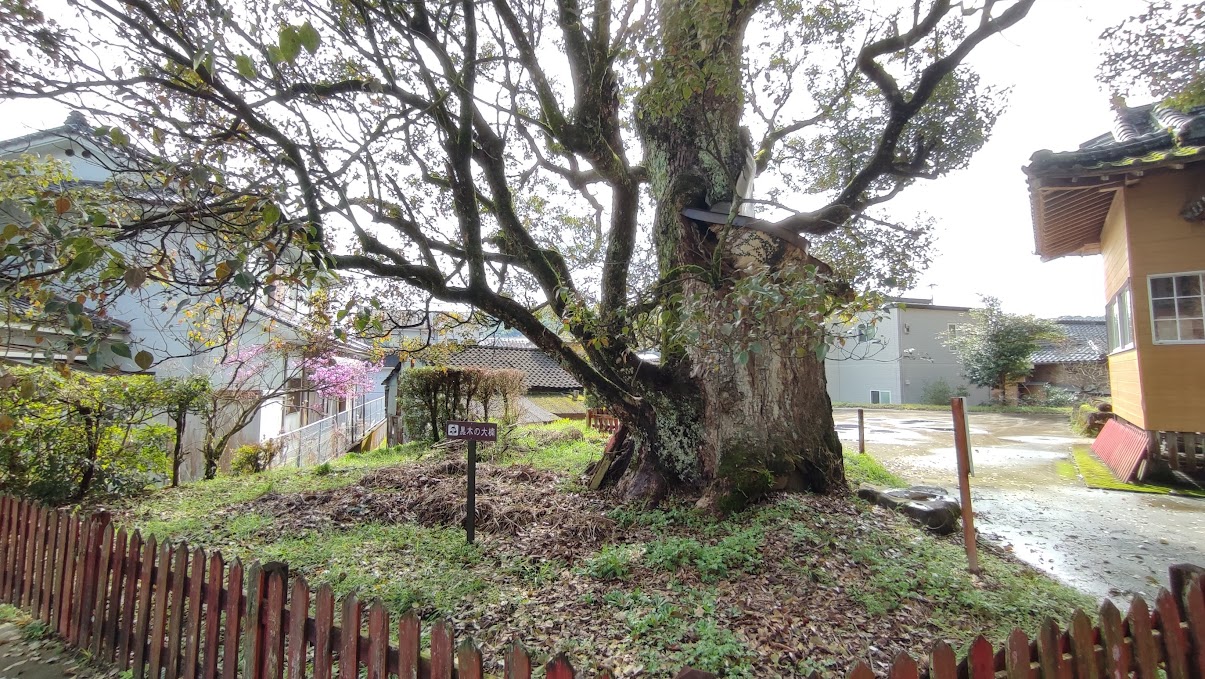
<point>512,500</point>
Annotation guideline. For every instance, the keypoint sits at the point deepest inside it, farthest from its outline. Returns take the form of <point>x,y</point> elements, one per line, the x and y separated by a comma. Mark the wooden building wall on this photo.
<point>1125,383</point>
<point>1171,376</point>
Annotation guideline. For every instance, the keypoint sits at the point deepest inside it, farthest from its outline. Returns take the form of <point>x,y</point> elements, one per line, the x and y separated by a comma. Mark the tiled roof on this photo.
<point>559,404</point>
<point>1141,136</point>
<point>541,372</point>
<point>1071,192</point>
<point>1086,342</point>
<point>19,309</point>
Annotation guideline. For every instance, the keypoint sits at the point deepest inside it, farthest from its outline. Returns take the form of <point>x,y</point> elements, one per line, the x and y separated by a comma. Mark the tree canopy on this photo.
<point>1158,52</point>
<point>520,158</point>
<point>997,347</point>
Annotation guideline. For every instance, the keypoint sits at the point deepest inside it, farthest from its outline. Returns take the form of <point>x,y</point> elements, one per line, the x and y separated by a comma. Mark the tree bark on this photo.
<point>180,422</point>
<point>736,429</point>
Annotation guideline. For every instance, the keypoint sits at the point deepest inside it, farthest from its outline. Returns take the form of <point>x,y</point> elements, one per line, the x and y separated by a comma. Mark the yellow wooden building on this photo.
<point>1137,197</point>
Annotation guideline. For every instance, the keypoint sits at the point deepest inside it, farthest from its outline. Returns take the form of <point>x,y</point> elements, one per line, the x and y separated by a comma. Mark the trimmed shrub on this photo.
<point>433,395</point>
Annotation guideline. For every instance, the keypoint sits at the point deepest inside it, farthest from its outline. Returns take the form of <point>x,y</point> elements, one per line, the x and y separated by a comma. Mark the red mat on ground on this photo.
<point>1122,447</point>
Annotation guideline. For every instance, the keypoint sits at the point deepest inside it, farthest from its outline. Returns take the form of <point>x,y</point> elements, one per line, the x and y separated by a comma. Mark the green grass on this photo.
<point>667,592</point>
<point>1097,475</point>
<point>1034,410</point>
<point>540,446</point>
<point>861,468</point>
<point>905,566</point>
<point>891,568</point>
<point>30,628</point>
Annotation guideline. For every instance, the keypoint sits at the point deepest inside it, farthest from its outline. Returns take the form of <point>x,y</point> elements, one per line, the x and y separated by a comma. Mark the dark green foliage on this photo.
<point>252,458</point>
<point>995,348</point>
<point>1158,51</point>
<point>611,563</point>
<point>939,392</point>
<point>65,435</point>
<point>433,395</point>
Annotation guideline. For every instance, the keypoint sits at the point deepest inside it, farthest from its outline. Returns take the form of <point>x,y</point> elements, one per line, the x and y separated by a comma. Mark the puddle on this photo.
<point>1105,543</point>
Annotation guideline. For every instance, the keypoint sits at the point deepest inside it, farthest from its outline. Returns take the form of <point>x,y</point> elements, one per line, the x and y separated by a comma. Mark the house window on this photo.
<point>877,396</point>
<point>1177,307</point>
<point>293,395</point>
<point>952,329</point>
<point>1120,320</point>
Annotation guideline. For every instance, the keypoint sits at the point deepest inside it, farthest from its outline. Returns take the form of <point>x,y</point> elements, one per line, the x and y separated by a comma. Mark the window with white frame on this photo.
<point>878,396</point>
<point>1119,319</point>
<point>1177,307</point>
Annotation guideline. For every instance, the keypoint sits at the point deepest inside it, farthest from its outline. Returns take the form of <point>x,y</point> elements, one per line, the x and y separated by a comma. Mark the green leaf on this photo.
<point>95,361</point>
<point>308,35</point>
<point>118,137</point>
<point>271,214</point>
<point>822,351</point>
<point>10,232</point>
<point>244,280</point>
<point>245,66</point>
<point>290,43</point>
<point>144,359</point>
<point>121,349</point>
<point>98,218</point>
<point>75,308</point>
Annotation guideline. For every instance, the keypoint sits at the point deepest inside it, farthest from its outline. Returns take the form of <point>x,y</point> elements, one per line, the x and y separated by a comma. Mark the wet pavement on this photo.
<point>1027,497</point>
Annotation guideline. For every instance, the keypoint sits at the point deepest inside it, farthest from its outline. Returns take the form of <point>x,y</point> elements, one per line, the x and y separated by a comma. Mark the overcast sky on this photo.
<point>986,239</point>
<point>986,235</point>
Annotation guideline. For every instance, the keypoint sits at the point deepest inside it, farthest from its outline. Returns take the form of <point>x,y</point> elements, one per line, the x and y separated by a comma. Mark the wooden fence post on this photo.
<point>861,431</point>
<point>962,447</point>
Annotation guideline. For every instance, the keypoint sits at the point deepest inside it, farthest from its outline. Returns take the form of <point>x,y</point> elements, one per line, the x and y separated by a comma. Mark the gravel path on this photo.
<point>1106,543</point>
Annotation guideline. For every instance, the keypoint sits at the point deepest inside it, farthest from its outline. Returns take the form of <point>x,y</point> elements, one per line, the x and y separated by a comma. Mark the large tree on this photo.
<point>521,157</point>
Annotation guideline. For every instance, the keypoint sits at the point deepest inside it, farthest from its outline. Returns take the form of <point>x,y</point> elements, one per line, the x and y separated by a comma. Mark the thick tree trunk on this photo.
<point>736,428</point>
<point>179,447</point>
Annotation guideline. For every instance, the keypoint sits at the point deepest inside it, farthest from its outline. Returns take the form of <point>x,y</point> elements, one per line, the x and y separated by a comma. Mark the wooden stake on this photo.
<point>470,511</point>
<point>962,447</point>
<point>861,431</point>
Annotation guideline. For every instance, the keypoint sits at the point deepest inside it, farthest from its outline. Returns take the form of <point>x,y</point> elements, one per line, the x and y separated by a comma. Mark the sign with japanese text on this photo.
<point>473,431</point>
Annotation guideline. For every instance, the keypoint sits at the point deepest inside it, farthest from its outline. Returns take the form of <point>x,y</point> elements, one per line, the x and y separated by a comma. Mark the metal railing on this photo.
<point>329,437</point>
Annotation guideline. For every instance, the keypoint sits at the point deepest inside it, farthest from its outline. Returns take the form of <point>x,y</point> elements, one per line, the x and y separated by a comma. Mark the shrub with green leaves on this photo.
<point>65,435</point>
<point>433,395</point>
<point>252,458</point>
<point>611,563</point>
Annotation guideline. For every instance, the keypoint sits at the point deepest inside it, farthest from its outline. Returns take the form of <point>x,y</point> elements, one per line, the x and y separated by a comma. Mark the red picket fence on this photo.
<point>600,420</point>
<point>170,612</point>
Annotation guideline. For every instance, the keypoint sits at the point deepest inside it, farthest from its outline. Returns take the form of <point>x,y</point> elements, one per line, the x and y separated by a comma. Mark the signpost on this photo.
<point>472,432</point>
<point>962,448</point>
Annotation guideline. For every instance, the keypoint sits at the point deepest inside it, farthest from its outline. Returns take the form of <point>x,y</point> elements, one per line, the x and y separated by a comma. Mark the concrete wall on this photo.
<point>926,358</point>
<point>857,367</point>
<point>905,355</point>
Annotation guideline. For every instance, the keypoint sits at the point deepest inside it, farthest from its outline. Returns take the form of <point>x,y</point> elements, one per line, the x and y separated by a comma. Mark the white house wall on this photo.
<point>922,329</point>
<point>857,368</point>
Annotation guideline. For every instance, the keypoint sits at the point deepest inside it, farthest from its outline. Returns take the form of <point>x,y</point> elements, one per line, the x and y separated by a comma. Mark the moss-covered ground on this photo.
<point>790,585</point>
<point>1096,475</point>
